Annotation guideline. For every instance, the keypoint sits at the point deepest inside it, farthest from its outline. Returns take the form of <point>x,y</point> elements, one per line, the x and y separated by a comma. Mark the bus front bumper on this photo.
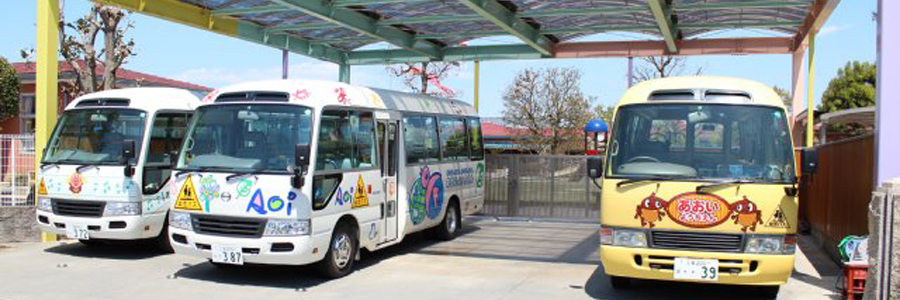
<point>272,250</point>
<point>107,228</point>
<point>734,268</point>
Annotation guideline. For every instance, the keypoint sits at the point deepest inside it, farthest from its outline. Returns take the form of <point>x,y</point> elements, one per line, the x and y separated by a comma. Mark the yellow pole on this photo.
<point>476,85</point>
<point>809,92</point>
<point>46,80</point>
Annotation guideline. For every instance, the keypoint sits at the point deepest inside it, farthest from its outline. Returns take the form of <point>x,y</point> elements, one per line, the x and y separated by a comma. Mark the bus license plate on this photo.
<point>227,255</point>
<point>696,269</point>
<point>77,231</point>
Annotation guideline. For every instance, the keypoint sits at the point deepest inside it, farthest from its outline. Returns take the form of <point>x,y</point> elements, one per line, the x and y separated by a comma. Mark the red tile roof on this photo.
<point>121,73</point>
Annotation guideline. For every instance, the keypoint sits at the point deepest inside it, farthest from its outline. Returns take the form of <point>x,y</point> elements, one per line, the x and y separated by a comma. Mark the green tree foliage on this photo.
<point>9,91</point>
<point>853,87</point>
<point>605,113</point>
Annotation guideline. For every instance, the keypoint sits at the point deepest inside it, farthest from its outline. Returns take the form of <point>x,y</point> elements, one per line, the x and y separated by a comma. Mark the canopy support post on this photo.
<point>344,73</point>
<point>46,88</point>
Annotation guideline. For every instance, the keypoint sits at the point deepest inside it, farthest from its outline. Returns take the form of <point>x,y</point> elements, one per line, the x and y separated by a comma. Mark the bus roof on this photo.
<point>320,93</point>
<point>145,98</point>
<point>693,89</point>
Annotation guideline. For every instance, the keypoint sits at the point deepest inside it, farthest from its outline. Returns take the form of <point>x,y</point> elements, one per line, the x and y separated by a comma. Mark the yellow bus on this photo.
<point>699,184</point>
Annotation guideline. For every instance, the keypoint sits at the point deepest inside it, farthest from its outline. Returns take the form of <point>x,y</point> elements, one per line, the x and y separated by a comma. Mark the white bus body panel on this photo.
<point>106,183</point>
<point>459,179</point>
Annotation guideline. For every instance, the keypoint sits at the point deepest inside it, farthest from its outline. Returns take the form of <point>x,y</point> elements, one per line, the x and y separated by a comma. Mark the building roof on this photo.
<point>28,69</point>
<point>861,115</point>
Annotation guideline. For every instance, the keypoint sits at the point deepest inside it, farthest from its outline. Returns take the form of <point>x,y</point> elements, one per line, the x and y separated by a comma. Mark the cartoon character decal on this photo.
<point>426,197</point>
<point>747,214</point>
<point>651,210</point>
<point>698,210</point>
<point>76,182</point>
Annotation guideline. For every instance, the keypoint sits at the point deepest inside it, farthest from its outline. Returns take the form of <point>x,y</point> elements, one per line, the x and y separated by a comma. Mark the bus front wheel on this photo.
<point>619,283</point>
<point>338,261</point>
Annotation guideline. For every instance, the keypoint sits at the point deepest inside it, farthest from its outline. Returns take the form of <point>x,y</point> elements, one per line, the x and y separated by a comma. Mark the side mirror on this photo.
<point>809,160</point>
<point>128,148</point>
<point>595,167</point>
<point>301,161</point>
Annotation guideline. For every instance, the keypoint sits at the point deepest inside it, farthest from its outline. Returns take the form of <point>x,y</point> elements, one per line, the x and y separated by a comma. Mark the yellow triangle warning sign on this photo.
<point>42,188</point>
<point>187,198</point>
<point>360,198</point>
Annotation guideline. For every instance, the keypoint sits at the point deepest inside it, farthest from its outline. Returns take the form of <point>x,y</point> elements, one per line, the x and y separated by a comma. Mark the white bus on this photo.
<point>300,172</point>
<point>108,160</point>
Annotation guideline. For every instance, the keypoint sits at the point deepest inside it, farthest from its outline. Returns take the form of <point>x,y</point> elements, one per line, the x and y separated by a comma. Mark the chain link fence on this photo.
<point>16,169</point>
<point>540,186</point>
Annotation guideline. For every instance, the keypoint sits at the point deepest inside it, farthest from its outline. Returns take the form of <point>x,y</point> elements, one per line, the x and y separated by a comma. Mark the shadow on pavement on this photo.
<point>108,250</point>
<point>301,278</point>
<point>598,287</point>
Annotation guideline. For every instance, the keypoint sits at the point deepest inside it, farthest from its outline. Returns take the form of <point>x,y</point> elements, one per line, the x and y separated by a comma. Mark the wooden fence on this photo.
<point>834,201</point>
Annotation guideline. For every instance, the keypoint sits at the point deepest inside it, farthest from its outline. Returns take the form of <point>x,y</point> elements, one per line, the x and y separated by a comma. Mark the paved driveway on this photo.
<point>492,260</point>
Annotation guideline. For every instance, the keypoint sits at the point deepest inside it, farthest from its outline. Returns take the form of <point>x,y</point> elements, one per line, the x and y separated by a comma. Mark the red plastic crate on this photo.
<point>855,280</point>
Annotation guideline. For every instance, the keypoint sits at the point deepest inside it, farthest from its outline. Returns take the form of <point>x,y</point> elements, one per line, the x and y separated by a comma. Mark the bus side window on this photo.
<point>346,141</point>
<point>165,138</point>
<point>421,139</point>
<point>453,138</point>
<point>477,150</point>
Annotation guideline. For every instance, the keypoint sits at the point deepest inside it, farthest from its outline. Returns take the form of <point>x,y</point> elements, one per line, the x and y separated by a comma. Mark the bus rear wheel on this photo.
<point>338,261</point>
<point>451,224</point>
<point>619,283</point>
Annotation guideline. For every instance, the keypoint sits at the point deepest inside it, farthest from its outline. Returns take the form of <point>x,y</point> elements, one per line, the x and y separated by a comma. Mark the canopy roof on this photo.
<point>427,30</point>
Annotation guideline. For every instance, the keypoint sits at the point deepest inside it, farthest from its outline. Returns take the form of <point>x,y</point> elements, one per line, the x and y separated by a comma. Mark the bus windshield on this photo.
<point>245,137</point>
<point>705,141</point>
<point>95,136</point>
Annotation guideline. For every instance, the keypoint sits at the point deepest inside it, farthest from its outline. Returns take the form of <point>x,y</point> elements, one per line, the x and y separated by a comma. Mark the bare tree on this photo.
<point>421,77</point>
<point>660,67</point>
<point>80,51</point>
<point>549,106</point>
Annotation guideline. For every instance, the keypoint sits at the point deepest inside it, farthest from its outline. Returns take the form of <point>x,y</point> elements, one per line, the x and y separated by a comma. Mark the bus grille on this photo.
<point>699,241</point>
<point>228,226</point>
<point>77,208</point>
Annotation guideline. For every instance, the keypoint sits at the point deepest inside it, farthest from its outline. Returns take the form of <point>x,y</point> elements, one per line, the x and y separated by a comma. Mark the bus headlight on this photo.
<point>180,220</point>
<point>623,237</point>
<point>45,204</point>
<point>277,227</point>
<point>122,209</point>
<point>771,244</point>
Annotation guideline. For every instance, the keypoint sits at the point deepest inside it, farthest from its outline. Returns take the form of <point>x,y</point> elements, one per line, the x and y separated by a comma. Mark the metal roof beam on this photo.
<point>363,24</point>
<point>249,10</point>
<point>507,20</point>
<point>198,17</point>
<point>343,3</point>
<point>468,53</point>
<point>819,12</point>
<point>729,46</point>
<point>662,12</point>
<point>598,29</point>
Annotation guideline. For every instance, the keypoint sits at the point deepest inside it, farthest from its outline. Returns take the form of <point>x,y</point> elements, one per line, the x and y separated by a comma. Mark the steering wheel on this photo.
<point>643,158</point>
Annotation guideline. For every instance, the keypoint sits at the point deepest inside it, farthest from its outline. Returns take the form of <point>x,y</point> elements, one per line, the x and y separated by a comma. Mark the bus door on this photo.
<point>388,129</point>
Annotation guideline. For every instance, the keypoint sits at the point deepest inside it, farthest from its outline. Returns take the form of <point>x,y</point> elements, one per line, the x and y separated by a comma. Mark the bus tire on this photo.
<point>162,241</point>
<point>338,261</point>
<point>769,292</point>
<point>451,224</point>
<point>619,283</point>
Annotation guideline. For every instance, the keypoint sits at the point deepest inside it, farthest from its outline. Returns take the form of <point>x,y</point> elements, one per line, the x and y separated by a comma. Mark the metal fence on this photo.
<point>16,169</point>
<point>540,186</point>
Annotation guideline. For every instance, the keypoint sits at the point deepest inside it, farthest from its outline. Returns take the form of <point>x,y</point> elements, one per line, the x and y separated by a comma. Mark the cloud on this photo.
<point>829,29</point>
<point>222,76</point>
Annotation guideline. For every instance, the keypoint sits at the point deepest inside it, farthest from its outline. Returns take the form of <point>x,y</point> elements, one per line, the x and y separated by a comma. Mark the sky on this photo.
<point>176,51</point>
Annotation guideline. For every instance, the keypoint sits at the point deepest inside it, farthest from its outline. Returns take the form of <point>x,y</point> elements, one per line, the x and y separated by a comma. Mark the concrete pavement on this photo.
<point>492,260</point>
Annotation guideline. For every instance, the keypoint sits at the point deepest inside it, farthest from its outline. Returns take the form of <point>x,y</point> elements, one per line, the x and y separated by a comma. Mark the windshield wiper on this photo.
<point>700,188</point>
<point>83,167</point>
<point>242,174</point>
<point>653,178</point>
<point>45,165</point>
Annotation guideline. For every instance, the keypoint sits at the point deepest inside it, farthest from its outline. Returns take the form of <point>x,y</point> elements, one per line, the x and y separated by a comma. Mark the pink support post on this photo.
<point>887,122</point>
